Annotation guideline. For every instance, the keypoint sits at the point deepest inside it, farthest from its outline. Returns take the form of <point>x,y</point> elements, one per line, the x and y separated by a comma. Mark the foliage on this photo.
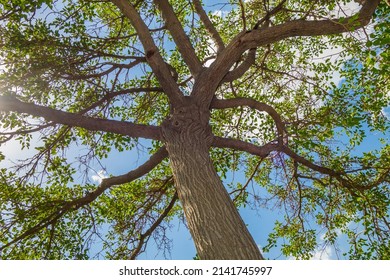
<point>85,58</point>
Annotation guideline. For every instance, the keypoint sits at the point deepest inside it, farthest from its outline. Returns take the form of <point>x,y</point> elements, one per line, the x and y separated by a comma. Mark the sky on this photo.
<point>260,223</point>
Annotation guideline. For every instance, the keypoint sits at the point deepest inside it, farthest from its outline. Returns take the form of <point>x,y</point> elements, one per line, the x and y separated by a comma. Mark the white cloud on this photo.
<point>220,13</point>
<point>326,252</point>
<point>386,112</point>
<point>100,175</point>
<point>211,48</point>
<point>346,9</point>
<point>323,254</point>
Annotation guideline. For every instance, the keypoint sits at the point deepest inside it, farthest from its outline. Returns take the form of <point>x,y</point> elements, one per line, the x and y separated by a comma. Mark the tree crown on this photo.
<point>291,89</point>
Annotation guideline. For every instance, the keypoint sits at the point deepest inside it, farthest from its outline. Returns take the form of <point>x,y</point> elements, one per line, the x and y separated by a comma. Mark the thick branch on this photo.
<point>209,25</point>
<point>341,176</point>
<point>179,36</point>
<point>295,28</point>
<point>251,58</point>
<point>8,104</point>
<point>268,35</point>
<point>261,151</point>
<point>153,56</point>
<point>107,183</point>
<point>269,14</point>
<point>265,150</point>
<point>80,202</point>
<point>242,68</point>
<point>308,163</point>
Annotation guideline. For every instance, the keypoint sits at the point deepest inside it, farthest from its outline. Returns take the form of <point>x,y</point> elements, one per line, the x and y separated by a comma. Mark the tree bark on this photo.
<point>214,222</point>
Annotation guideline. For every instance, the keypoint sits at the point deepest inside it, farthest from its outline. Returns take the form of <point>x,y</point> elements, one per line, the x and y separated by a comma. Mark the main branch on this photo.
<point>209,25</point>
<point>73,205</point>
<point>268,35</point>
<point>235,144</point>
<point>153,56</point>
<point>179,36</point>
<point>296,28</point>
<point>8,104</point>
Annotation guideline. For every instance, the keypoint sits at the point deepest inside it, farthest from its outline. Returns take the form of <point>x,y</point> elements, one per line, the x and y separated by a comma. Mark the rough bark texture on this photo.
<point>214,223</point>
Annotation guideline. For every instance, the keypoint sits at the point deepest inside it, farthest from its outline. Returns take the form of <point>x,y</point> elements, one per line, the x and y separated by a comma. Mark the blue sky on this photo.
<point>260,223</point>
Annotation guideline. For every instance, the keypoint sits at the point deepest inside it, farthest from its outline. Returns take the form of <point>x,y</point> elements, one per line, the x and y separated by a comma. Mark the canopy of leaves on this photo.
<point>85,58</point>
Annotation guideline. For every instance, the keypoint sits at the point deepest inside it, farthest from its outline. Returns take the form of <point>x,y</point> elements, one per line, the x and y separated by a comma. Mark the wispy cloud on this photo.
<point>386,112</point>
<point>100,175</point>
<point>326,252</point>
<point>323,254</point>
<point>220,13</point>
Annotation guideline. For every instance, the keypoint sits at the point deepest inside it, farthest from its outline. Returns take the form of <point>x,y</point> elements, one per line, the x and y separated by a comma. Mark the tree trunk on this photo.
<point>215,225</point>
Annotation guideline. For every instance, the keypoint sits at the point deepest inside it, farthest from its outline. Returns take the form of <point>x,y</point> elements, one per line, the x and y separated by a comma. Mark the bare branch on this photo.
<point>296,178</point>
<point>114,66</point>
<point>113,94</point>
<point>244,187</point>
<point>11,134</point>
<point>268,35</point>
<point>147,233</point>
<point>8,104</point>
<point>209,25</point>
<point>243,16</point>
<point>269,14</point>
<point>153,56</point>
<point>179,36</point>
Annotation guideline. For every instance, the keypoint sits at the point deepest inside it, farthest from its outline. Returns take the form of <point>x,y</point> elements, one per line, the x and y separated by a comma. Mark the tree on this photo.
<point>212,93</point>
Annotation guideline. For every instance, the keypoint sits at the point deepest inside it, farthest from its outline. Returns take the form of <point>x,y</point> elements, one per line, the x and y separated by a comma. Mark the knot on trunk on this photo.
<point>188,124</point>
